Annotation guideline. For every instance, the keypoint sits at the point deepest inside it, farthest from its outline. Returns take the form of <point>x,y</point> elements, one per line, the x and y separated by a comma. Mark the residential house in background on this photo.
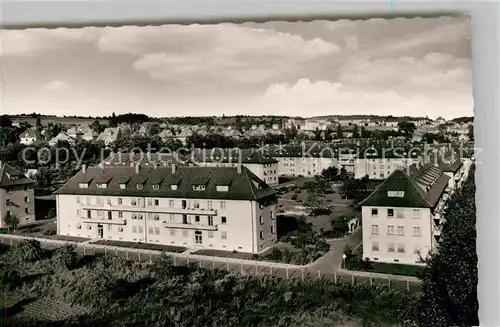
<point>110,135</point>
<point>62,137</point>
<point>29,136</point>
<point>219,208</point>
<point>402,217</point>
<point>17,195</point>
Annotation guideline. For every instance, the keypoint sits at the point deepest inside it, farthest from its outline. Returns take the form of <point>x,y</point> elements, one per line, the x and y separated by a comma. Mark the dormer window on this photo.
<point>173,187</point>
<point>222,188</point>
<point>396,194</point>
<point>83,185</point>
<point>198,187</point>
<point>139,186</point>
<point>123,186</point>
<point>102,185</point>
<point>156,187</point>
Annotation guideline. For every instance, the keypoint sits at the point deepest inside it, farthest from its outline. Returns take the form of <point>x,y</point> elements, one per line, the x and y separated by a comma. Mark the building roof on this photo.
<point>246,156</point>
<point>242,183</point>
<point>422,187</point>
<point>29,133</point>
<point>9,176</point>
<point>148,159</point>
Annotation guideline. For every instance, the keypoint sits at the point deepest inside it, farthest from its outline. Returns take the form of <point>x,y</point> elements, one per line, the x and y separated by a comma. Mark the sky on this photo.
<point>399,67</point>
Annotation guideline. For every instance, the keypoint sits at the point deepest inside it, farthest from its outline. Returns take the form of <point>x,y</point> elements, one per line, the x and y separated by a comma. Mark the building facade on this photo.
<point>401,219</point>
<point>196,207</point>
<point>17,195</point>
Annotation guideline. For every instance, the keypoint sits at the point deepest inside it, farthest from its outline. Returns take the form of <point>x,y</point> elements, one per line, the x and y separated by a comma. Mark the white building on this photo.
<point>61,137</point>
<point>194,207</point>
<point>402,217</point>
<point>29,136</point>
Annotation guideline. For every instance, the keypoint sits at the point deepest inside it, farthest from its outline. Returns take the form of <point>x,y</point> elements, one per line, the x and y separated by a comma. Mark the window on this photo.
<point>139,186</point>
<point>374,229</point>
<point>401,230</point>
<point>184,219</point>
<point>89,214</point>
<point>156,202</point>
<point>197,219</point>
<point>141,230</point>
<point>123,186</point>
<point>400,213</point>
<point>210,221</point>
<point>150,230</point>
<point>416,213</point>
<point>375,246</point>
<point>390,247</point>
<point>89,227</point>
<point>401,248</point>
<point>157,230</point>
<point>140,202</point>
<point>120,214</point>
<point>156,217</point>
<point>223,220</point>
<point>120,229</point>
<point>390,230</point>
<point>185,232</point>
<point>134,229</point>
<point>170,203</point>
<point>156,187</point>
<point>396,194</point>
<point>110,215</point>
<point>416,231</point>
<point>88,200</point>
<point>133,202</point>
<point>77,199</point>
<point>172,232</point>
<point>390,212</point>
<point>173,187</point>
<point>99,201</point>
<point>261,234</point>
<point>261,220</point>
<point>78,212</point>
<point>223,235</point>
<point>83,185</point>
<point>222,188</point>
<point>150,215</point>
<point>198,187</point>
<point>150,202</point>
<point>140,216</point>
<point>210,234</point>
<point>209,204</point>
<point>109,201</point>
<point>102,185</point>
<point>223,204</point>
<point>79,226</point>
<point>374,212</point>
<point>272,229</point>
<point>416,249</point>
<point>120,201</point>
<point>172,217</point>
<point>26,199</point>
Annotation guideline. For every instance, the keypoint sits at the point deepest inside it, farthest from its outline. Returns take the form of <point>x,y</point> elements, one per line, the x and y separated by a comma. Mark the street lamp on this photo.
<point>343,259</point>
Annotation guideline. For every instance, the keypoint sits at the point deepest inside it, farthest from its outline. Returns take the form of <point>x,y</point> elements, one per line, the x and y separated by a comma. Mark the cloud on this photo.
<point>215,54</point>
<point>56,86</point>
<point>34,42</point>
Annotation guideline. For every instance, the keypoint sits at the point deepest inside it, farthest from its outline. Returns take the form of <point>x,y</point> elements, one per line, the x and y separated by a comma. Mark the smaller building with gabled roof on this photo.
<point>402,217</point>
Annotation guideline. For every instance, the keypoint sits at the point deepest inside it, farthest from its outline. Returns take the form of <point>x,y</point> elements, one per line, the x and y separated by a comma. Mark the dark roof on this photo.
<point>149,159</point>
<point>247,156</point>
<point>422,187</point>
<point>10,176</point>
<point>243,185</point>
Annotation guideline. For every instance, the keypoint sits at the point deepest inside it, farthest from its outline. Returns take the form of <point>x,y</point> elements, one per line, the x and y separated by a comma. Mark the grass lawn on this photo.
<point>145,246</point>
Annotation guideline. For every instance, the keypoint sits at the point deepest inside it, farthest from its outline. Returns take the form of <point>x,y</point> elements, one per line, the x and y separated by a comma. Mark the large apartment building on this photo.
<point>221,208</point>
<point>259,163</point>
<point>402,217</point>
<point>303,160</point>
<point>17,195</point>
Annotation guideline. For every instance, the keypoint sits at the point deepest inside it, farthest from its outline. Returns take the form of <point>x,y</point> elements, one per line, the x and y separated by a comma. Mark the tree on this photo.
<point>471,133</point>
<point>5,121</point>
<point>11,220</point>
<point>43,177</point>
<point>96,126</point>
<point>339,225</point>
<point>316,205</point>
<point>407,128</point>
<point>355,131</point>
<point>330,173</point>
<point>338,133</point>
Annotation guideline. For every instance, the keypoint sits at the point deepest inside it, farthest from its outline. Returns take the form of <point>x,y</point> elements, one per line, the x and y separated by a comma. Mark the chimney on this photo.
<point>84,169</point>
<point>238,168</point>
<point>173,168</point>
<point>137,168</point>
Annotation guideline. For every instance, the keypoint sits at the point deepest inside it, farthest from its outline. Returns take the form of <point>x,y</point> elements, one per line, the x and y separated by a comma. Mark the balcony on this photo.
<point>104,221</point>
<point>153,209</point>
<point>190,226</point>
